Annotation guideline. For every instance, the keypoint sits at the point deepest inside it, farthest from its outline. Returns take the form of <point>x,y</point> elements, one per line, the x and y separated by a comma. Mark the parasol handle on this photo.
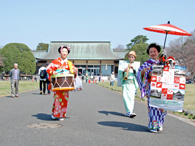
<point>166,36</point>
<point>165,40</point>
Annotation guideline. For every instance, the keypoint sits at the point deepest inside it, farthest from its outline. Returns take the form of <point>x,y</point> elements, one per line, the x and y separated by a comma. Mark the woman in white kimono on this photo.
<point>127,75</point>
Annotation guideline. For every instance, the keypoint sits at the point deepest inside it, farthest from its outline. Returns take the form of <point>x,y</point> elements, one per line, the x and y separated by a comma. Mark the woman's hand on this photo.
<point>125,70</point>
<point>75,70</point>
<point>131,66</point>
<point>144,71</point>
<point>55,73</point>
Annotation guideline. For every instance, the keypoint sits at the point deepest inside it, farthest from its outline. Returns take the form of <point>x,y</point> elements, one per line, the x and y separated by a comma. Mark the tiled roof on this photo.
<point>82,50</point>
<point>121,53</point>
<point>39,53</point>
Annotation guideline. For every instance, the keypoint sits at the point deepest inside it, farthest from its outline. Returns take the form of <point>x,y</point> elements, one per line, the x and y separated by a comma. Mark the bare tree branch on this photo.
<point>183,50</point>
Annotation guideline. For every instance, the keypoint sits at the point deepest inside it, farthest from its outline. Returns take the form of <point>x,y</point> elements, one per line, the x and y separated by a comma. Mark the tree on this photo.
<point>183,50</point>
<point>119,47</point>
<point>42,46</point>
<point>139,45</point>
<point>20,54</point>
<point>140,50</point>
<point>1,63</point>
<point>1,58</point>
<point>139,39</point>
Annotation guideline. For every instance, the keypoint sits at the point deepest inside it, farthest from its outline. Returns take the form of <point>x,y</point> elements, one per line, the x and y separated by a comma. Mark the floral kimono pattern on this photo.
<point>156,116</point>
<point>60,97</point>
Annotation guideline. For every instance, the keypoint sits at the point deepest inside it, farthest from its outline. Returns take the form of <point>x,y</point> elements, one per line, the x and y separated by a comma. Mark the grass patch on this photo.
<point>5,87</point>
<point>182,114</point>
<point>190,116</point>
<point>189,99</point>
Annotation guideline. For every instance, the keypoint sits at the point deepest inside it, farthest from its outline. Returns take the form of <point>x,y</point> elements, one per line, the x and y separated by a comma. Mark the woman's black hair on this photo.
<point>61,47</point>
<point>155,46</point>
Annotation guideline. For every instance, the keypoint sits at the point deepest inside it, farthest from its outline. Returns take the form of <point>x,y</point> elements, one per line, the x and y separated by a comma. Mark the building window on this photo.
<point>96,66</point>
<point>92,70</point>
<point>106,71</point>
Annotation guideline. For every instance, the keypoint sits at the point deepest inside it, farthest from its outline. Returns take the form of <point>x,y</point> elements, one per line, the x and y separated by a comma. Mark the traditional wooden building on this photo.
<point>178,95</point>
<point>91,57</point>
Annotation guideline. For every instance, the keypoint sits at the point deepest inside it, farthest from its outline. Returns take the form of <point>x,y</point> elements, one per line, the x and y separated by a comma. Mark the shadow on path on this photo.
<point>37,93</point>
<point>125,126</point>
<point>45,117</point>
<point>42,116</point>
<point>112,113</point>
<point>11,96</point>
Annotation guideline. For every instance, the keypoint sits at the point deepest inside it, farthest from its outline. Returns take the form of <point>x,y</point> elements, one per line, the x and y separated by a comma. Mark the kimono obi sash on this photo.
<point>128,81</point>
<point>61,71</point>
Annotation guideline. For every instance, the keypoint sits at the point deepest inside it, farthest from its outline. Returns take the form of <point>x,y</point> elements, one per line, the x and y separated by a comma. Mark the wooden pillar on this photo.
<point>114,67</point>
<point>86,65</point>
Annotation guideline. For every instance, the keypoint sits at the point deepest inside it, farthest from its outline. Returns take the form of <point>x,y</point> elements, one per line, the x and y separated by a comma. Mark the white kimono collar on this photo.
<point>65,60</point>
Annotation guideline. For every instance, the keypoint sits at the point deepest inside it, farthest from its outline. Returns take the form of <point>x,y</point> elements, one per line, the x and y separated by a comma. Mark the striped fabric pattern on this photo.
<point>156,116</point>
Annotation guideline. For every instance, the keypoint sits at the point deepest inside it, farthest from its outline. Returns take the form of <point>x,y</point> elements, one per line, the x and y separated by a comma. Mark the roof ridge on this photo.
<point>80,41</point>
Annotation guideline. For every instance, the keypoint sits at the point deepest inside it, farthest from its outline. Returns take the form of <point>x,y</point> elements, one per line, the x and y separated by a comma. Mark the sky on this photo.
<point>118,21</point>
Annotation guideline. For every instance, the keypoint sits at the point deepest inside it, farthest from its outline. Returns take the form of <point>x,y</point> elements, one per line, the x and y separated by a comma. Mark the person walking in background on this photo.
<point>15,77</point>
<point>156,116</point>
<point>127,75</point>
<point>47,80</point>
<point>92,77</point>
<point>112,79</point>
<point>83,78</point>
<point>99,78</point>
<point>86,78</point>
<point>43,75</point>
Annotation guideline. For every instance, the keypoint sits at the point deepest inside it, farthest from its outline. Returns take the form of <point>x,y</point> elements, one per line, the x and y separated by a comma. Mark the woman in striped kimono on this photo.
<point>156,116</point>
<point>61,97</point>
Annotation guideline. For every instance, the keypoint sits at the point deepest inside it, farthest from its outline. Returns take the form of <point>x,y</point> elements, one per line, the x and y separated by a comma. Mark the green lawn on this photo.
<point>189,99</point>
<point>5,87</point>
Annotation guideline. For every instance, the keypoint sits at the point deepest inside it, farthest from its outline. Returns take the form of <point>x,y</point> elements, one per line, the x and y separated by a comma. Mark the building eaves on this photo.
<point>82,50</point>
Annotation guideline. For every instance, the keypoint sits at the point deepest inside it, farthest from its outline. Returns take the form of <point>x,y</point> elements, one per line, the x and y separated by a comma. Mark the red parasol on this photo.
<point>167,29</point>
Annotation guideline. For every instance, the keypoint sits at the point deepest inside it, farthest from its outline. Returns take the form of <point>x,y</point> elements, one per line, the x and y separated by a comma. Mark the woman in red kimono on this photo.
<point>61,97</point>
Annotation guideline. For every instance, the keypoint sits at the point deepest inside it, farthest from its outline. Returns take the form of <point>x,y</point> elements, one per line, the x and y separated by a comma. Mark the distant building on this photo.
<point>120,52</point>
<point>88,56</point>
<point>178,95</point>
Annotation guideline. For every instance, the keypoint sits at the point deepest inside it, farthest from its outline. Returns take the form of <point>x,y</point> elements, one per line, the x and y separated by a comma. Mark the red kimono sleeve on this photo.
<point>52,67</point>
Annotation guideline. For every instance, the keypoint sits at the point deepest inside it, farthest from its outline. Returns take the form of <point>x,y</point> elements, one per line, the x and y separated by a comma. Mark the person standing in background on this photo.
<point>15,77</point>
<point>99,78</point>
<point>43,75</point>
<point>112,79</point>
<point>92,77</point>
<point>83,78</point>
<point>86,78</point>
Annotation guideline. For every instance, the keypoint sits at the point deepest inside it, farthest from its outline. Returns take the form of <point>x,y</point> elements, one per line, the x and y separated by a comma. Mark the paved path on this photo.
<point>94,118</point>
